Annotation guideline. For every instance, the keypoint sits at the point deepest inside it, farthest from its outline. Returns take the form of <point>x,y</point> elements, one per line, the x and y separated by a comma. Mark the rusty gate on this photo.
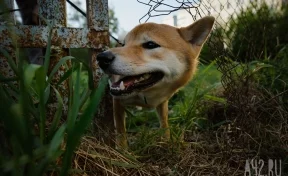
<point>95,37</point>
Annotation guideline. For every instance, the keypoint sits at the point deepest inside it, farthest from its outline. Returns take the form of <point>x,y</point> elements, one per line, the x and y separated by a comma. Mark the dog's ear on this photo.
<point>198,32</point>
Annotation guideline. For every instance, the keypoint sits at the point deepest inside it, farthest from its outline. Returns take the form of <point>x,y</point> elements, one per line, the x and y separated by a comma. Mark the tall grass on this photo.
<point>31,144</point>
<point>186,111</point>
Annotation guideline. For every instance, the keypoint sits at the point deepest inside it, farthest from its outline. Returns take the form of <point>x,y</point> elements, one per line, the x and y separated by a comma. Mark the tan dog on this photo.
<point>155,62</point>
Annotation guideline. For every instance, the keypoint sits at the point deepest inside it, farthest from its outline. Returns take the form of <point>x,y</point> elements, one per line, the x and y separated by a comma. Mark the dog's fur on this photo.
<point>172,53</point>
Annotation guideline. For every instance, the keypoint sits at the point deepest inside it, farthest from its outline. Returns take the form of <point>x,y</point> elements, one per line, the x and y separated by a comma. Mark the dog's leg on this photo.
<point>162,111</point>
<point>119,116</point>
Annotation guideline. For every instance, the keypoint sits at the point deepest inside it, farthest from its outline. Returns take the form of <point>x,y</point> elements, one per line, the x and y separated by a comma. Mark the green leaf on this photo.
<point>47,93</point>
<point>72,115</point>
<point>84,121</point>
<point>57,115</point>
<point>58,65</point>
<point>84,97</point>
<point>67,74</point>
<point>29,73</point>
<point>55,143</point>
<point>41,86</point>
<point>216,99</point>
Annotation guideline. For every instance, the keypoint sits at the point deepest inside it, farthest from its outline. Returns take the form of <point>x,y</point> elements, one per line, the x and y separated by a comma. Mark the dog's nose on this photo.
<point>105,59</point>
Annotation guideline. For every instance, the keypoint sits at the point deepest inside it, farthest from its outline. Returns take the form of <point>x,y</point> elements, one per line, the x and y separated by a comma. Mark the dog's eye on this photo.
<point>150,45</point>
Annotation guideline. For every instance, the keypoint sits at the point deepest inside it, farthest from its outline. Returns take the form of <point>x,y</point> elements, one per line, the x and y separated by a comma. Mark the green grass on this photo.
<point>31,144</point>
<point>186,110</point>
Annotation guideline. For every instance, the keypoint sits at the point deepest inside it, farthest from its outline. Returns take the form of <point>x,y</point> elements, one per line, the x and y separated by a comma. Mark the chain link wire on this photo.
<point>235,84</point>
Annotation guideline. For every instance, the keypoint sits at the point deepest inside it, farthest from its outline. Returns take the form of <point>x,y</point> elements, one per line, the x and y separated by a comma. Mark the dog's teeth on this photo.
<point>122,87</point>
<point>110,83</point>
<point>115,88</point>
<point>115,78</point>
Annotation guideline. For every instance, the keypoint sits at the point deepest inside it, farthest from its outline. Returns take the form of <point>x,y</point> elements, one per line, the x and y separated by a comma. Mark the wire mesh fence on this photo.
<point>248,37</point>
<point>244,32</point>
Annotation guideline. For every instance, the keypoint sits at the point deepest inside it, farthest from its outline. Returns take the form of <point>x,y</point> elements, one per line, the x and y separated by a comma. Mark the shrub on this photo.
<point>257,32</point>
<point>214,47</point>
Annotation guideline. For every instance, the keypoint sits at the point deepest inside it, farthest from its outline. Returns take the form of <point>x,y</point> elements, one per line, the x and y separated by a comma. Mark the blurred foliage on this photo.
<point>113,22</point>
<point>214,47</point>
<point>275,77</point>
<point>258,32</point>
<point>258,36</point>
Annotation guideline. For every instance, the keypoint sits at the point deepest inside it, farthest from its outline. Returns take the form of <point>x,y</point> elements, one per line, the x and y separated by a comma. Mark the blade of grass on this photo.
<point>57,115</point>
<point>67,74</point>
<point>52,152</point>
<point>76,133</point>
<point>41,86</point>
<point>57,66</point>
<point>72,115</point>
<point>24,118</point>
<point>84,97</point>
<point>216,99</point>
<point>55,143</point>
<point>29,73</point>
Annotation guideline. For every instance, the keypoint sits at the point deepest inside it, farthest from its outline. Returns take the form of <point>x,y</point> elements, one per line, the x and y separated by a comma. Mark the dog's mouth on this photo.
<point>124,85</point>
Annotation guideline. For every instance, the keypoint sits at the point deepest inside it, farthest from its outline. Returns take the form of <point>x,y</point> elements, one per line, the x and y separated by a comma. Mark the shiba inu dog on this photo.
<point>154,63</point>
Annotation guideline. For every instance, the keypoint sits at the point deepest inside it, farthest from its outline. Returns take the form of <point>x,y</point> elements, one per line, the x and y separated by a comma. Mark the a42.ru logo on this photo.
<point>257,167</point>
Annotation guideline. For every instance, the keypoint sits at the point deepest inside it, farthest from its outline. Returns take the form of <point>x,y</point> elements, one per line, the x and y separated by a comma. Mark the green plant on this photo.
<point>214,47</point>
<point>31,144</point>
<point>257,32</point>
<point>192,112</point>
<point>275,78</point>
<point>186,111</point>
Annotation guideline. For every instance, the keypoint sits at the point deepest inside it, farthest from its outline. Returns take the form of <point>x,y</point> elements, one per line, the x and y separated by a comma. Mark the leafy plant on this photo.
<point>31,144</point>
<point>258,32</point>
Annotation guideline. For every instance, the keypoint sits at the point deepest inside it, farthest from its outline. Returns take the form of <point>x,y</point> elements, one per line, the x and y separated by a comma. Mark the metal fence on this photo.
<point>95,37</point>
<point>221,44</point>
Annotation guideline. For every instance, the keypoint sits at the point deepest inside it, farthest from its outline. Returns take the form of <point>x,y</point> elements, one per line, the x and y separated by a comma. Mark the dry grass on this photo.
<point>256,127</point>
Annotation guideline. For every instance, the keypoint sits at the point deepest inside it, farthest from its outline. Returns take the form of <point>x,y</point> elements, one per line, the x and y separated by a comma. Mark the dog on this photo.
<point>155,61</point>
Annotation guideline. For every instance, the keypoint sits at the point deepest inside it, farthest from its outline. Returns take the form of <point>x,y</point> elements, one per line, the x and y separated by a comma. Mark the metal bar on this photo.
<point>7,19</point>
<point>37,36</point>
<point>97,14</point>
<point>97,19</point>
<point>53,11</point>
<point>5,69</point>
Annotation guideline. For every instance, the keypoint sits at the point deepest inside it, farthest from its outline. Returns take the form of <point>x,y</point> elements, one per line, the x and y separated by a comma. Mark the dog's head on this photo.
<point>155,58</point>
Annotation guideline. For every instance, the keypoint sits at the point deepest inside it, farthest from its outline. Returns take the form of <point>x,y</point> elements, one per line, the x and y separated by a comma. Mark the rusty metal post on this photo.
<point>54,11</point>
<point>95,37</point>
<point>97,18</point>
<point>7,19</point>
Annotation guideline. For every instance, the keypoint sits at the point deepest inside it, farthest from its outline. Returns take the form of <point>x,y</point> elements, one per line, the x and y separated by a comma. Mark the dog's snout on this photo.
<point>105,59</point>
